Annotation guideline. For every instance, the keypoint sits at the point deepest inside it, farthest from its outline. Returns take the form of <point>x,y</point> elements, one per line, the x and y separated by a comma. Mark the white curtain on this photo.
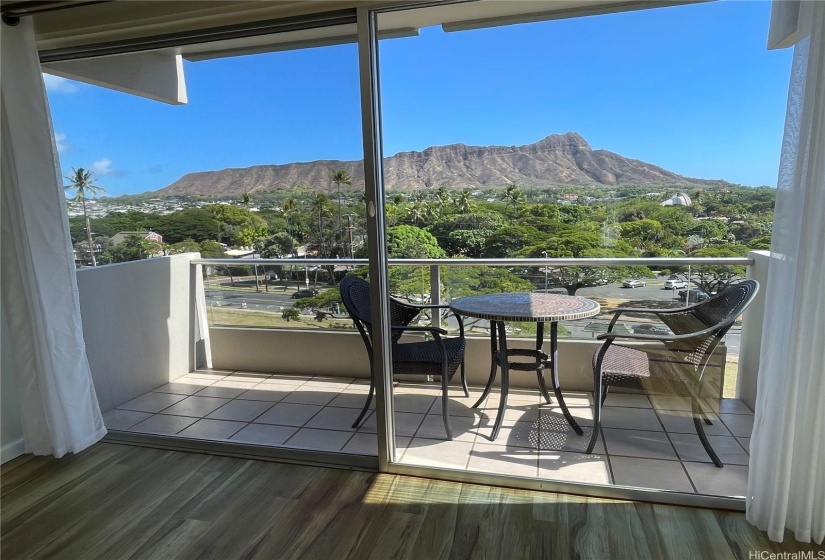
<point>786,480</point>
<point>59,408</point>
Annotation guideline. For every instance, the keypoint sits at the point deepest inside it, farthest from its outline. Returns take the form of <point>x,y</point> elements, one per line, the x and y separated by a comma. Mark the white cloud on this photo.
<point>56,84</point>
<point>60,142</point>
<point>103,167</point>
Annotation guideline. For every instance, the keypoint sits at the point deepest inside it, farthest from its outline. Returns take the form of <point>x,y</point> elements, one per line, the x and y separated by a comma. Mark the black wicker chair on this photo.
<point>440,356</point>
<point>677,365</point>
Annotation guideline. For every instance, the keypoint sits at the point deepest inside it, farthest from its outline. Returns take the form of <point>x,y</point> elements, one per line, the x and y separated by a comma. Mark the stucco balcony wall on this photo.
<point>313,352</point>
<point>139,324</point>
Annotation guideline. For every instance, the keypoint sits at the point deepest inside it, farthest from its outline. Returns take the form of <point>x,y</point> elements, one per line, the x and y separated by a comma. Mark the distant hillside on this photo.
<point>559,159</point>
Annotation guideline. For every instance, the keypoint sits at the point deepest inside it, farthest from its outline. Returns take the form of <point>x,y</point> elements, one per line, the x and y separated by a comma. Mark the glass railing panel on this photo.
<point>305,297</point>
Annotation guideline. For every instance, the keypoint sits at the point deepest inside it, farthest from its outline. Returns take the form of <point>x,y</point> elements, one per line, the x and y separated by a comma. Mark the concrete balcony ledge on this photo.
<point>342,354</point>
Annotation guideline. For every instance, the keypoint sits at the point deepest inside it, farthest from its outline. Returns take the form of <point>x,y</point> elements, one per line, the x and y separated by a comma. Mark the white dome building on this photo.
<point>680,199</point>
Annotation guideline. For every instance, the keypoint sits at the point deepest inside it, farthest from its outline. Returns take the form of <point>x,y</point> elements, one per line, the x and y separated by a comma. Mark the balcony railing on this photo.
<point>432,286</point>
<point>578,336</point>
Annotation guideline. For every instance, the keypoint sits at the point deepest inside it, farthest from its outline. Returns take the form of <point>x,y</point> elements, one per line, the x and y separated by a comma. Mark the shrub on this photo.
<point>290,314</point>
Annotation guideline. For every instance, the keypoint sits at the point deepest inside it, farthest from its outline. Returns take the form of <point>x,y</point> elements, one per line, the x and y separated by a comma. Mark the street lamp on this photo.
<point>544,254</point>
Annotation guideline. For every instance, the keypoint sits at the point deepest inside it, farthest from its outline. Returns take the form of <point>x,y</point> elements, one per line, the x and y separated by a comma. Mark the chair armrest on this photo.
<point>665,337</point>
<point>458,316</point>
<point>426,306</point>
<point>418,328</point>
<point>637,336</point>
<point>647,310</point>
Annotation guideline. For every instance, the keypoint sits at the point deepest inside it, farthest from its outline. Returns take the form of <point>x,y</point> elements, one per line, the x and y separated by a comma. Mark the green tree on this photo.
<point>277,246</point>
<point>642,233</point>
<point>464,202</point>
<point>324,238</point>
<point>211,250</point>
<point>133,248</point>
<point>327,298</point>
<point>290,209</point>
<point>82,182</point>
<point>191,223</point>
<point>290,314</point>
<point>237,226</point>
<point>712,279</point>
<point>506,241</point>
<point>188,246</point>
<point>410,242</point>
<point>466,234</point>
<point>513,196</point>
<point>340,177</point>
<point>584,245</point>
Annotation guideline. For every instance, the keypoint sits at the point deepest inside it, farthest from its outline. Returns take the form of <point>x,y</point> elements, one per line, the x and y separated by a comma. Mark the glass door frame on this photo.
<point>368,64</point>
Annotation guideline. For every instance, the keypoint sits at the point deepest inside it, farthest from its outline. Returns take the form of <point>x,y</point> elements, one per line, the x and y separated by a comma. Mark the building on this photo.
<point>122,236</point>
<point>680,199</point>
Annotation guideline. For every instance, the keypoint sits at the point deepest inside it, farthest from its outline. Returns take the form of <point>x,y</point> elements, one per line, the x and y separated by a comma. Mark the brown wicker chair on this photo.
<point>440,356</point>
<point>677,365</point>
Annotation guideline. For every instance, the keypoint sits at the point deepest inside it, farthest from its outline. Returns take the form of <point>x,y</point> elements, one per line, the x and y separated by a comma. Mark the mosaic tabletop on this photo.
<point>525,307</point>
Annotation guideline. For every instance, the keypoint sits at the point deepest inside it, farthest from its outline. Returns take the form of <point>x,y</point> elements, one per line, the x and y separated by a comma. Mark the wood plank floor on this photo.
<point>115,501</point>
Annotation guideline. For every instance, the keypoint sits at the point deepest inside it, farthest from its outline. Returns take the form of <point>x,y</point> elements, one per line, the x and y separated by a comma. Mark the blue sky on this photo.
<point>691,88</point>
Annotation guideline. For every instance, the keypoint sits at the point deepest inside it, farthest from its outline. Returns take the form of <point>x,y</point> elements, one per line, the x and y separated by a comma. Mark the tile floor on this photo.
<point>646,442</point>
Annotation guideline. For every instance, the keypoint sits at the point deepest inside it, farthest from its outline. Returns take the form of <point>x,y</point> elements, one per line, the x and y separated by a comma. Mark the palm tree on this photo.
<point>340,177</point>
<point>443,196</point>
<point>416,212</point>
<point>84,184</point>
<point>464,202</point>
<point>320,206</point>
<point>246,198</point>
<point>290,207</point>
<point>513,196</point>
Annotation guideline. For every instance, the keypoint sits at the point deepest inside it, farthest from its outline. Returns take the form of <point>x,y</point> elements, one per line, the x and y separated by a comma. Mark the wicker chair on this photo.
<point>677,364</point>
<point>440,356</point>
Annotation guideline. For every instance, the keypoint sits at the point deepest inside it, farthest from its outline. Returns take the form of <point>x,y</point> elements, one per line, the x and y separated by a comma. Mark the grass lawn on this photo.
<point>731,373</point>
<point>246,318</point>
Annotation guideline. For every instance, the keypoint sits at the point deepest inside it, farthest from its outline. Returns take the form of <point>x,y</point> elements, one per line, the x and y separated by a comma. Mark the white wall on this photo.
<point>139,323</point>
<point>751,341</point>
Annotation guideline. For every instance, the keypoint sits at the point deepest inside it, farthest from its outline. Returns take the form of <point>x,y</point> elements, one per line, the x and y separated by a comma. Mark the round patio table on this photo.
<point>525,307</point>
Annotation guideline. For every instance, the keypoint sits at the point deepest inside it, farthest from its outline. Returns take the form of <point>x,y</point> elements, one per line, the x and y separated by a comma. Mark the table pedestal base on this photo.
<point>501,357</point>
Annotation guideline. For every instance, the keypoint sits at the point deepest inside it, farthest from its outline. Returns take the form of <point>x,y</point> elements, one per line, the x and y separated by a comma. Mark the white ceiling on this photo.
<point>131,19</point>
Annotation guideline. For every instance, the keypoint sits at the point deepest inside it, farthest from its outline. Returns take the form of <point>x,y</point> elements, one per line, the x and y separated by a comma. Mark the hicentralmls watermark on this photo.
<point>801,555</point>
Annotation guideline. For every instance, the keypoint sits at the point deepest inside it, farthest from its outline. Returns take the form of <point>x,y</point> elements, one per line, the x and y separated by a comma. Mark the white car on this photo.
<point>634,284</point>
<point>675,284</point>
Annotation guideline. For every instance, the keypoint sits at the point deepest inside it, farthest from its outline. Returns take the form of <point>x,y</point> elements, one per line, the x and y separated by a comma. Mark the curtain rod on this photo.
<point>13,12</point>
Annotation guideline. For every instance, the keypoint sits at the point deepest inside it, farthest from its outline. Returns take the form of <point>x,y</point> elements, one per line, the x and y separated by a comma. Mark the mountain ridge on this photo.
<point>555,160</point>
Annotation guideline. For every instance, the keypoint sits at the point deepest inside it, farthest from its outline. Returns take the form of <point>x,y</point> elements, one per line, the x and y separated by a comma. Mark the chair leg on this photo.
<point>445,401</point>
<point>604,393</point>
<point>366,407</point>
<point>700,431</point>
<point>597,412</point>
<point>464,380</point>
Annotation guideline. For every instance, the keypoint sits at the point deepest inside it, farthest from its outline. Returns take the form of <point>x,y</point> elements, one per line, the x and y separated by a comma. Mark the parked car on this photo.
<point>696,294</point>
<point>634,283</point>
<point>675,284</point>
<point>647,328</point>
<point>301,294</point>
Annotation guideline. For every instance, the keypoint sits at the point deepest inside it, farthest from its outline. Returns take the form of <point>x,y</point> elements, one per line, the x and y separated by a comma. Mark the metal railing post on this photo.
<point>435,294</point>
